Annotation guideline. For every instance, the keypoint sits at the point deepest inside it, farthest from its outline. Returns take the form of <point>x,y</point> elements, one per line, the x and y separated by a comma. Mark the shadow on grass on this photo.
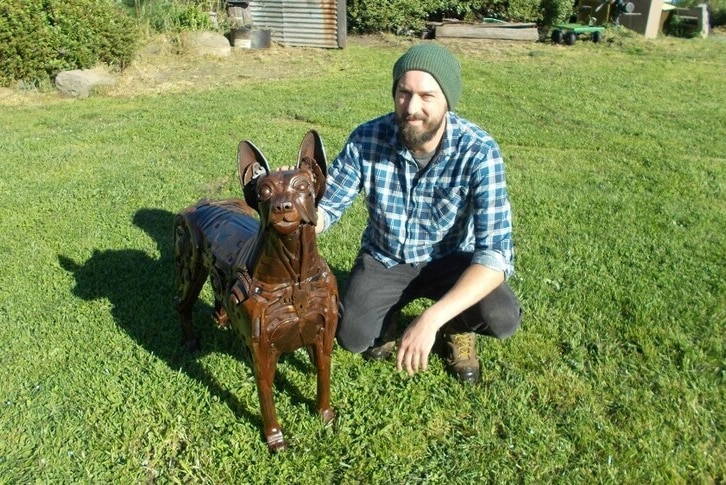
<point>141,289</point>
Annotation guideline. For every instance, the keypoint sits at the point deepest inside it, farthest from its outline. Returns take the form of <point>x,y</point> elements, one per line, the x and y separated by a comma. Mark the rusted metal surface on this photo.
<point>320,23</point>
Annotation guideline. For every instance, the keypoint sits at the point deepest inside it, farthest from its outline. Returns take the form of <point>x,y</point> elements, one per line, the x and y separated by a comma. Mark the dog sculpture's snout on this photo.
<point>283,205</point>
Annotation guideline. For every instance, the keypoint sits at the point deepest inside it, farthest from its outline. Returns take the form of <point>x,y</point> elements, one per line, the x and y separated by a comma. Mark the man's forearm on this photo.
<point>475,283</point>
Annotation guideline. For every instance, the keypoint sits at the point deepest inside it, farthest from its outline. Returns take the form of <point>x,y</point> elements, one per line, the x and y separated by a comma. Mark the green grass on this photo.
<point>617,174</point>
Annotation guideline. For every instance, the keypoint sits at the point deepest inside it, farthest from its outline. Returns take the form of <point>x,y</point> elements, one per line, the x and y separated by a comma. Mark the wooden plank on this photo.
<point>501,25</point>
<point>486,31</point>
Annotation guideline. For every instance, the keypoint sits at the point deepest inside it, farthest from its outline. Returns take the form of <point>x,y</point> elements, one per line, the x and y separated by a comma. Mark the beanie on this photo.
<point>435,60</point>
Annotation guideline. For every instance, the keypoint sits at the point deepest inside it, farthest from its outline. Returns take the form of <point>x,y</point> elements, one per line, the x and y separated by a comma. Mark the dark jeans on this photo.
<point>375,294</point>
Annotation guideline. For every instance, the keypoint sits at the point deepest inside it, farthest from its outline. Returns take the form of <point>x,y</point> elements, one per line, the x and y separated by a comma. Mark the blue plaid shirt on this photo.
<point>458,202</point>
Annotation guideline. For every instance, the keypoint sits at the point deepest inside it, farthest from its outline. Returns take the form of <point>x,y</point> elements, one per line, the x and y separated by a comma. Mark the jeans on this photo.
<point>374,295</point>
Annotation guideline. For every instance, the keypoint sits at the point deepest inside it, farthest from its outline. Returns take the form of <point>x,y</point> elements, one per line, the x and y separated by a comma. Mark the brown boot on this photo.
<point>460,352</point>
<point>380,352</point>
<point>384,346</point>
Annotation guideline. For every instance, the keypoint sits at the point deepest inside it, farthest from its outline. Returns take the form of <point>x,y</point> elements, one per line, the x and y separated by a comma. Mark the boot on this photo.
<point>384,345</point>
<point>460,354</point>
<point>380,352</point>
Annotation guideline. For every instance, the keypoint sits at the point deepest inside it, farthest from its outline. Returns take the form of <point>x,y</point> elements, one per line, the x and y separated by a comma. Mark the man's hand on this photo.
<point>418,339</point>
<point>416,344</point>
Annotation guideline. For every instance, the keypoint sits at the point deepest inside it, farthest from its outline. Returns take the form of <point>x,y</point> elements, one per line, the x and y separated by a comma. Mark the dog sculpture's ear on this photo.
<point>312,149</point>
<point>251,165</point>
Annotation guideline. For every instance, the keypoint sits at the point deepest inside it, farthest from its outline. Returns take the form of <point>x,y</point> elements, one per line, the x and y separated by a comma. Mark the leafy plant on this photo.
<point>716,10</point>
<point>399,16</point>
<point>39,38</point>
<point>411,16</point>
<point>174,16</point>
<point>554,11</point>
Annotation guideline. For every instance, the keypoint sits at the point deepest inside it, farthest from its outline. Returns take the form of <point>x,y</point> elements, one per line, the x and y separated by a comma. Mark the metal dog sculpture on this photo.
<point>269,281</point>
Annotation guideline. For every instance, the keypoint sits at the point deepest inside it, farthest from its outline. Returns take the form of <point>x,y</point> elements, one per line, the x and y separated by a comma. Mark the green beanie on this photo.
<point>438,62</point>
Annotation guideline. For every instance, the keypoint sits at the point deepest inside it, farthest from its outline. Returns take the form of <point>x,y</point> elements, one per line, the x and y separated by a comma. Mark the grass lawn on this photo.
<point>616,159</point>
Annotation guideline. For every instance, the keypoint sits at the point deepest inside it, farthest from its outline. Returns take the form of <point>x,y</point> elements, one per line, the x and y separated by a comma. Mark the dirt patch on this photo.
<point>161,68</point>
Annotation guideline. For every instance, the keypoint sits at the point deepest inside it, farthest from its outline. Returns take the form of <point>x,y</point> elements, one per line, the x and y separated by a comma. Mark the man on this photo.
<point>439,223</point>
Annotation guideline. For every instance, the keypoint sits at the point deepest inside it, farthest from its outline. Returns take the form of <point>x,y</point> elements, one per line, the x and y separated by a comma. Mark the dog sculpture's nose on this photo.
<point>283,206</point>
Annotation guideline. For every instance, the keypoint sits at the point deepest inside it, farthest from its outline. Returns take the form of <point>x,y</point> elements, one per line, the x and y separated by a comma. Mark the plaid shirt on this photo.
<point>458,202</point>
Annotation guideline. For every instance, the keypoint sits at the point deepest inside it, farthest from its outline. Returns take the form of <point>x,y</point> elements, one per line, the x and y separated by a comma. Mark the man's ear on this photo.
<point>251,165</point>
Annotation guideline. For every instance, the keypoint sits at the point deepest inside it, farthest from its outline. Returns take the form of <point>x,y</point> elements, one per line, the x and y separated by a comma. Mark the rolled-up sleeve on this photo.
<point>492,212</point>
<point>344,184</point>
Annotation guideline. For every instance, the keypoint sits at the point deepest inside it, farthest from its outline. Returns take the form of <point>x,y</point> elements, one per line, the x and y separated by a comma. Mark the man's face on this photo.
<point>420,110</point>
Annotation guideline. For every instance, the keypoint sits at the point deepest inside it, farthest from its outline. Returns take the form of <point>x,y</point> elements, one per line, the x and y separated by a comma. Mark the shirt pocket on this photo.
<point>446,205</point>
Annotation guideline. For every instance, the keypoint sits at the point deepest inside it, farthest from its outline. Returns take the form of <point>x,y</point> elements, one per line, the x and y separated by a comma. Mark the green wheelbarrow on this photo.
<point>568,33</point>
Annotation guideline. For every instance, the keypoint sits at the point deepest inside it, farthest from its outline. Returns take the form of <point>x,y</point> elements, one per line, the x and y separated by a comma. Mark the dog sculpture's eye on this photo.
<point>302,185</point>
<point>264,192</point>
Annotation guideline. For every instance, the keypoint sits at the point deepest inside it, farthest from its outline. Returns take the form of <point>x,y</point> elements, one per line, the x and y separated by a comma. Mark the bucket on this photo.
<point>251,39</point>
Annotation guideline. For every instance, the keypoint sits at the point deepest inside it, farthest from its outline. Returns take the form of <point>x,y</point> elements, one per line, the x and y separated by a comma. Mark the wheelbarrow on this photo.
<point>568,33</point>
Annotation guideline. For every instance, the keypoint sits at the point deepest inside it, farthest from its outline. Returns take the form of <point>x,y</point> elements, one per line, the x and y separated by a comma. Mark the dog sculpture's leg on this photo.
<point>264,362</point>
<point>191,276</point>
<point>323,350</point>
<point>322,363</point>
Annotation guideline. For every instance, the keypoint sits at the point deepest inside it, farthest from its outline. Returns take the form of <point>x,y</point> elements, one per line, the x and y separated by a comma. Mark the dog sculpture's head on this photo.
<point>284,199</point>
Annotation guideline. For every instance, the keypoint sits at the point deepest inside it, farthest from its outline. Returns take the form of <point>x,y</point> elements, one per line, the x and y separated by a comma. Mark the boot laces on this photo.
<point>463,346</point>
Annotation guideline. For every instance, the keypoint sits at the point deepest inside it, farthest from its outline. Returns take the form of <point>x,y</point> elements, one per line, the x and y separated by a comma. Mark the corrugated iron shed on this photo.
<point>307,23</point>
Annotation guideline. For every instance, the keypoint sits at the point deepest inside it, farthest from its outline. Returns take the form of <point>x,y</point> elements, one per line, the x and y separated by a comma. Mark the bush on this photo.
<point>555,11</point>
<point>508,10</point>
<point>716,10</point>
<point>40,38</point>
<point>399,16</point>
<point>542,12</point>
<point>367,16</point>
<point>174,16</point>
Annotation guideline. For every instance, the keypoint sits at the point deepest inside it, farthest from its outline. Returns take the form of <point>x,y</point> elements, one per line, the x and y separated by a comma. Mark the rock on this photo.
<point>206,44</point>
<point>81,82</point>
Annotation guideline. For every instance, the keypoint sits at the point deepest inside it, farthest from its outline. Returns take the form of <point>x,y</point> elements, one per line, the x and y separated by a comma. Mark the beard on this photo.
<point>416,136</point>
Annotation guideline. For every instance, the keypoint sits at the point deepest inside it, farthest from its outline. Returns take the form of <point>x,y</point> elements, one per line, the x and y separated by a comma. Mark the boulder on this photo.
<point>206,44</point>
<point>81,82</point>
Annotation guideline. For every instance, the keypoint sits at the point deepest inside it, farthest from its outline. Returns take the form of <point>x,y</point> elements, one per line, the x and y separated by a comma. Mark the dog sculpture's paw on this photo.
<point>275,442</point>
<point>327,415</point>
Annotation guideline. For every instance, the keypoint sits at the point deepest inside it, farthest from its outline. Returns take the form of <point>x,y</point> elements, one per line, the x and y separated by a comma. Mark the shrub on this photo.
<point>716,10</point>
<point>542,12</point>
<point>509,10</point>
<point>40,38</point>
<point>367,16</point>
<point>175,16</point>
<point>399,16</point>
<point>555,11</point>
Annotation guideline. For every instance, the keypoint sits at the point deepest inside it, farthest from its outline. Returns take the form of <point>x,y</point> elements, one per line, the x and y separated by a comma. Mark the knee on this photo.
<point>352,338</point>
<point>351,344</point>
<point>503,322</point>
